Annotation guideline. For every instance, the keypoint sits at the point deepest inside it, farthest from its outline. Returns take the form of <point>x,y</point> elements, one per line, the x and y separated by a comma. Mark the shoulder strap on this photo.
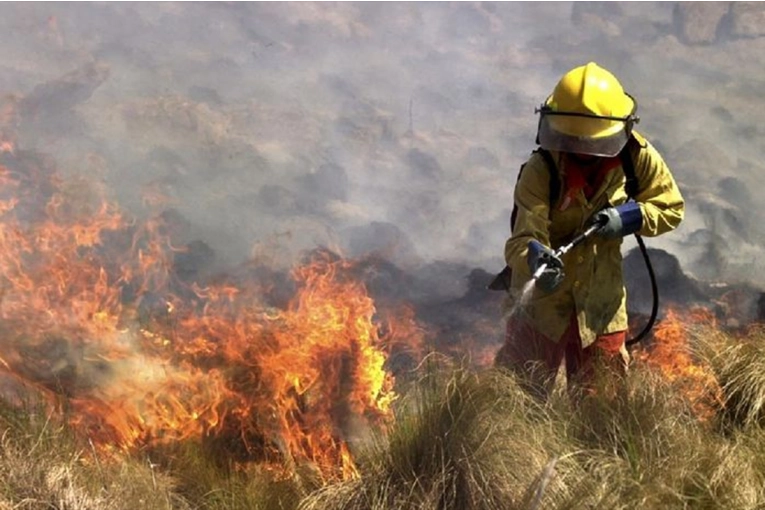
<point>554,182</point>
<point>631,185</point>
<point>552,168</point>
<point>514,213</point>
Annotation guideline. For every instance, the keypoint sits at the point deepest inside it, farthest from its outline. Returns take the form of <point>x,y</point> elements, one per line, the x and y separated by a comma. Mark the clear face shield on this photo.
<point>582,133</point>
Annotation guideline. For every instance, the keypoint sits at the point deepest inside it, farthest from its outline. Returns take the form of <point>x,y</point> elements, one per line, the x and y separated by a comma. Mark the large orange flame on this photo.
<point>93,316</point>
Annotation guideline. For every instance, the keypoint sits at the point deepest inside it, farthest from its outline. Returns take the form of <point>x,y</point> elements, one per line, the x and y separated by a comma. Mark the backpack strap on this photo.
<point>514,213</point>
<point>555,185</point>
<point>635,143</point>
<point>503,280</point>
<point>631,184</point>
<point>552,168</point>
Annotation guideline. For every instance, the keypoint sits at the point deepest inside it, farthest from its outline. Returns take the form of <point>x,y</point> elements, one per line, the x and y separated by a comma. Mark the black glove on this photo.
<point>619,221</point>
<point>540,255</point>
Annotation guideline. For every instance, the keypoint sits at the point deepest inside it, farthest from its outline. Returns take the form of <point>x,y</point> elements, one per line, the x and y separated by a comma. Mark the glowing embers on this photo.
<point>94,317</point>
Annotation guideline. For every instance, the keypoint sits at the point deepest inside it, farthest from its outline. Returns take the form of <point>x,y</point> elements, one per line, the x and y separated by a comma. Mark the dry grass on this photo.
<point>464,439</point>
<point>475,441</point>
<point>42,467</point>
<point>739,365</point>
<point>212,483</point>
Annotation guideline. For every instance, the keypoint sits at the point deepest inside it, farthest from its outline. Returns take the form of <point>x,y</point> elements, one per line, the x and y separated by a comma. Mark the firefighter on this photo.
<point>575,313</point>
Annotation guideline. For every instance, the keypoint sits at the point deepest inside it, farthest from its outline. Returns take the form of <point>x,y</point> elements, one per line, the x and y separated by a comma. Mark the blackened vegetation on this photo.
<point>50,108</point>
<point>734,306</point>
<point>675,287</point>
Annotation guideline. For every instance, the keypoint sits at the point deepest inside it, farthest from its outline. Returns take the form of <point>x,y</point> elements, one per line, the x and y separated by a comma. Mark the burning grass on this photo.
<point>739,365</point>
<point>443,452</point>
<point>464,438</point>
<point>475,441</point>
<point>157,389</point>
<point>96,316</point>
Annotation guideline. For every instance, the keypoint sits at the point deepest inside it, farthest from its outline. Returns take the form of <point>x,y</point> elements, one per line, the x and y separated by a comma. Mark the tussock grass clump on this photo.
<point>739,365</point>
<point>42,466</point>
<point>462,440</point>
<point>643,447</point>
<point>211,483</point>
<point>639,419</point>
<point>474,440</point>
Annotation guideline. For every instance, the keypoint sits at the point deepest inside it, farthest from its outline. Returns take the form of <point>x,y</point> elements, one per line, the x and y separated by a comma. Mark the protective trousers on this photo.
<point>536,359</point>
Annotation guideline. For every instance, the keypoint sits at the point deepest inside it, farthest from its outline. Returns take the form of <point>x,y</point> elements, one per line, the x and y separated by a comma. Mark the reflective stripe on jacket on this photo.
<point>593,286</point>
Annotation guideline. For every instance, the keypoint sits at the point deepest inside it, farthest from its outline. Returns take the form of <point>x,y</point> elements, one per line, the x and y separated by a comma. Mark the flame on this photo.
<point>670,353</point>
<point>95,319</point>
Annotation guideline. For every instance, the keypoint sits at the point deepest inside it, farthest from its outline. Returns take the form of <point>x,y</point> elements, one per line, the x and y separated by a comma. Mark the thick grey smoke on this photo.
<point>396,127</point>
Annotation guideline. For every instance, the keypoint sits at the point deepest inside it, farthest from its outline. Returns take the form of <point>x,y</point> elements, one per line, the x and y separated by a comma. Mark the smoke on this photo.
<point>392,128</point>
<point>255,137</point>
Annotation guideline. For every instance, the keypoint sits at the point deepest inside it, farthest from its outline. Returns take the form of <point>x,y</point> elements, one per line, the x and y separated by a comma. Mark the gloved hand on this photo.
<point>619,221</point>
<point>540,255</point>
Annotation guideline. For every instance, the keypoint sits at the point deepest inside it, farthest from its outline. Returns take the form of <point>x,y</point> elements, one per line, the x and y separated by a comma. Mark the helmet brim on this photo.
<point>603,146</point>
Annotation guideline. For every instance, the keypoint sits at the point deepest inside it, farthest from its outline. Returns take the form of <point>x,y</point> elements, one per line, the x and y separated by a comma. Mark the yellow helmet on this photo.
<point>587,113</point>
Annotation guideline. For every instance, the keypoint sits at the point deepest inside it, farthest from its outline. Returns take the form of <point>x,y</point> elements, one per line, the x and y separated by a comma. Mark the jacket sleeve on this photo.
<point>532,198</point>
<point>661,203</point>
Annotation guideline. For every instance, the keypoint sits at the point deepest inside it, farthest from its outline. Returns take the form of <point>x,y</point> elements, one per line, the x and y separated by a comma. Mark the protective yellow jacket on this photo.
<point>593,286</point>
